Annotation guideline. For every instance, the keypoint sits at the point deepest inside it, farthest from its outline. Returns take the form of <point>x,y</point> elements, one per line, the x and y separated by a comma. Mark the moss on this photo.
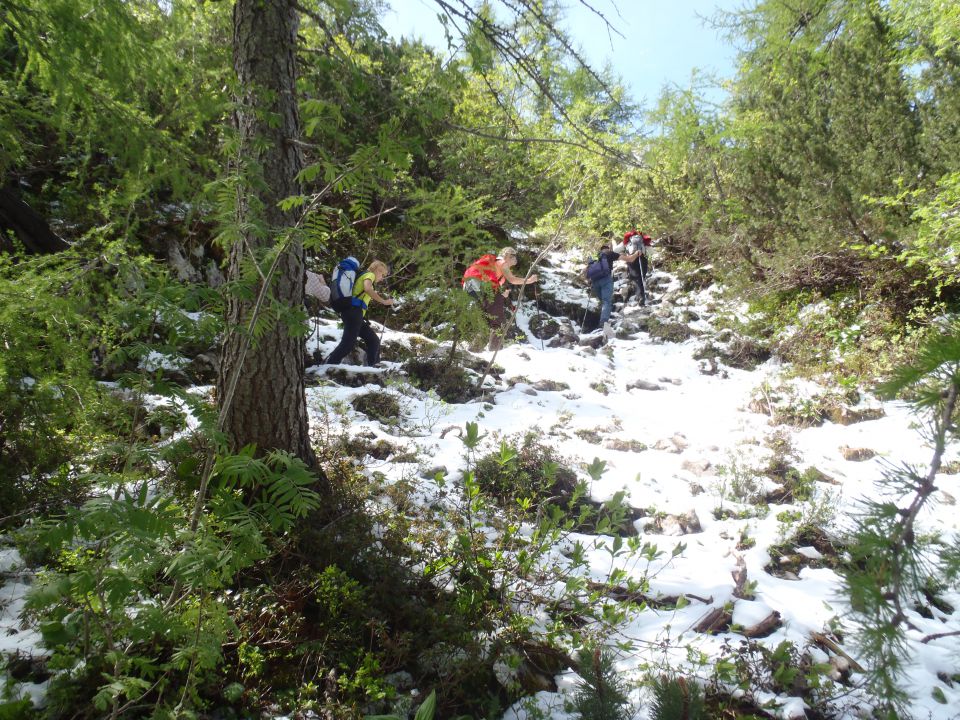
<point>527,471</point>
<point>452,382</point>
<point>669,331</point>
<point>380,406</point>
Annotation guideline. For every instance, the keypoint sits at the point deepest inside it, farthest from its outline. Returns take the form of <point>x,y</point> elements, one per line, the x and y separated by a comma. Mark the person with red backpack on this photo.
<point>635,250</point>
<point>486,281</point>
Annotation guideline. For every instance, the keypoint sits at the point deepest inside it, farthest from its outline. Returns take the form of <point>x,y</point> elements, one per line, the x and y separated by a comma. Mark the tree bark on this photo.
<point>29,226</point>
<point>268,404</point>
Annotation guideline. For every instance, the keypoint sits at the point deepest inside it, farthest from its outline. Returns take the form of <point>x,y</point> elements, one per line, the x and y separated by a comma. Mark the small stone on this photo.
<point>857,454</point>
<point>697,467</point>
<point>643,385</point>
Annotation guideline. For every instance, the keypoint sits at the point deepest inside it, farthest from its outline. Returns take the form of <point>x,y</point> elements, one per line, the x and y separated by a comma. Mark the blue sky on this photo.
<point>664,39</point>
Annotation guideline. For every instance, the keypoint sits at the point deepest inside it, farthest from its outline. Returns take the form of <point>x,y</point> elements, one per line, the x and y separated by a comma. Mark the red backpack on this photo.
<point>485,269</point>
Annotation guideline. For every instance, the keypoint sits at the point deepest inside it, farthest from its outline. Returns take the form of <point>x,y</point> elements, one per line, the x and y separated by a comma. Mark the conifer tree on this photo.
<point>261,381</point>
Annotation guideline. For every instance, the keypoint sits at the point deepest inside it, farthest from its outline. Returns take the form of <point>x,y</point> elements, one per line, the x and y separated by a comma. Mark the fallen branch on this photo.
<point>821,639</point>
<point>622,594</point>
<point>718,618</point>
<point>763,628</point>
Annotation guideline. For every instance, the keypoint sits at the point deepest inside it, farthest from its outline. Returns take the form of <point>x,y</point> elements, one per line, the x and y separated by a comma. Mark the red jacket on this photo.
<point>485,269</point>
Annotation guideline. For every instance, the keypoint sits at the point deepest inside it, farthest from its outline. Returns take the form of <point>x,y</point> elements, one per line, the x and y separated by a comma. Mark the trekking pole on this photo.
<point>383,323</point>
<point>643,284</point>
<point>536,297</point>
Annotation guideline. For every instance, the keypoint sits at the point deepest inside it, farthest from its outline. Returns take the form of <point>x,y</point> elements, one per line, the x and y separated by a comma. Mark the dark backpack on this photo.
<point>598,269</point>
<point>343,278</point>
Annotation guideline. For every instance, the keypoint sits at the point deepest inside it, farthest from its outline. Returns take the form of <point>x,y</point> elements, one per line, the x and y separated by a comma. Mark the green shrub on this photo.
<point>601,693</point>
<point>677,698</point>
<point>530,470</point>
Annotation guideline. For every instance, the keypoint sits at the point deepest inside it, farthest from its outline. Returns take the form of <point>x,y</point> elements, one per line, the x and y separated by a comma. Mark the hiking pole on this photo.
<point>383,323</point>
<point>536,297</point>
<point>586,310</point>
<point>643,285</point>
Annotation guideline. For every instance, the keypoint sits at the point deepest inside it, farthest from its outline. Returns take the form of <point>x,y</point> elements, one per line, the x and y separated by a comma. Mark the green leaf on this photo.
<point>428,708</point>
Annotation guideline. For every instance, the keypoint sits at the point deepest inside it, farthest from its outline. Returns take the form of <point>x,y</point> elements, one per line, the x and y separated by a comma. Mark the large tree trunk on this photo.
<point>30,228</point>
<point>268,407</point>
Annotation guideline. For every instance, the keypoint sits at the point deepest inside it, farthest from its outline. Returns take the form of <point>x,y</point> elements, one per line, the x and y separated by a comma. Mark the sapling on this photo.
<point>891,559</point>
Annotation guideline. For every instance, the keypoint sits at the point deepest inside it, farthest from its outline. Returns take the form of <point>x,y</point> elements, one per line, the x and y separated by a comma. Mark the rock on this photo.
<point>691,522</point>
<point>544,327</point>
<point>708,366</point>
<point>843,415</point>
<point>591,341</point>
<point>672,381</point>
<point>820,476</point>
<point>624,445</point>
<point>698,279</point>
<point>697,467</point>
<point>550,385</point>
<point>432,471</point>
<point>674,525</point>
<point>671,526</point>
<point>529,391</point>
<point>204,368</point>
<point>857,454</point>
<point>676,444</point>
<point>643,385</point>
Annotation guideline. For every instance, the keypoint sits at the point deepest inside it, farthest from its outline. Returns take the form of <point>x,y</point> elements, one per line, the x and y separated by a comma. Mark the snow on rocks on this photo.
<point>688,449</point>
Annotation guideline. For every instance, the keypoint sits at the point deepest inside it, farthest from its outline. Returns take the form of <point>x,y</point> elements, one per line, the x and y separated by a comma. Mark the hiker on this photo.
<point>493,271</point>
<point>633,251</point>
<point>315,291</point>
<point>316,294</point>
<point>353,309</point>
<point>600,274</point>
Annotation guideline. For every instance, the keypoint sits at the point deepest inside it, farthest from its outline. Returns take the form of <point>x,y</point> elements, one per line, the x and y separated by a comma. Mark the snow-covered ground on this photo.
<point>698,432</point>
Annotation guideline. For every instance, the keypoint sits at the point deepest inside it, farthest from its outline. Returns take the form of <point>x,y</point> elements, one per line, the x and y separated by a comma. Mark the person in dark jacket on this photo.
<point>353,311</point>
<point>603,288</point>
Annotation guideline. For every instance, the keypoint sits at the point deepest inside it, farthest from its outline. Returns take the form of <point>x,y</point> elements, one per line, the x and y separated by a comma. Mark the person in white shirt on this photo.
<point>634,251</point>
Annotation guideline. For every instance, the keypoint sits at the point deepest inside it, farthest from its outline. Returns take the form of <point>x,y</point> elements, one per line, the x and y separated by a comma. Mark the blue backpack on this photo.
<point>598,269</point>
<point>343,278</point>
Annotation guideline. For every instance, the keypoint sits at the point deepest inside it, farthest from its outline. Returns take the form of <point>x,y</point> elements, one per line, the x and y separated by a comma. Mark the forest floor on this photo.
<point>756,472</point>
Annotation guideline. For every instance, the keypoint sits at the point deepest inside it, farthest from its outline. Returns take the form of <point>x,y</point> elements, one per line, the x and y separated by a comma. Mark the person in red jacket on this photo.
<point>493,272</point>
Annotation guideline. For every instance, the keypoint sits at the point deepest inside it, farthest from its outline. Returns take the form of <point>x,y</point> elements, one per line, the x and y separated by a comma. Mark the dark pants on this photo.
<point>495,310</point>
<point>354,325</point>
<point>638,279</point>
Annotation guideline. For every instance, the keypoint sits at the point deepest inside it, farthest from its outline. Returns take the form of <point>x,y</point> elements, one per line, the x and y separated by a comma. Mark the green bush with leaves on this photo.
<point>526,469</point>
<point>130,607</point>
